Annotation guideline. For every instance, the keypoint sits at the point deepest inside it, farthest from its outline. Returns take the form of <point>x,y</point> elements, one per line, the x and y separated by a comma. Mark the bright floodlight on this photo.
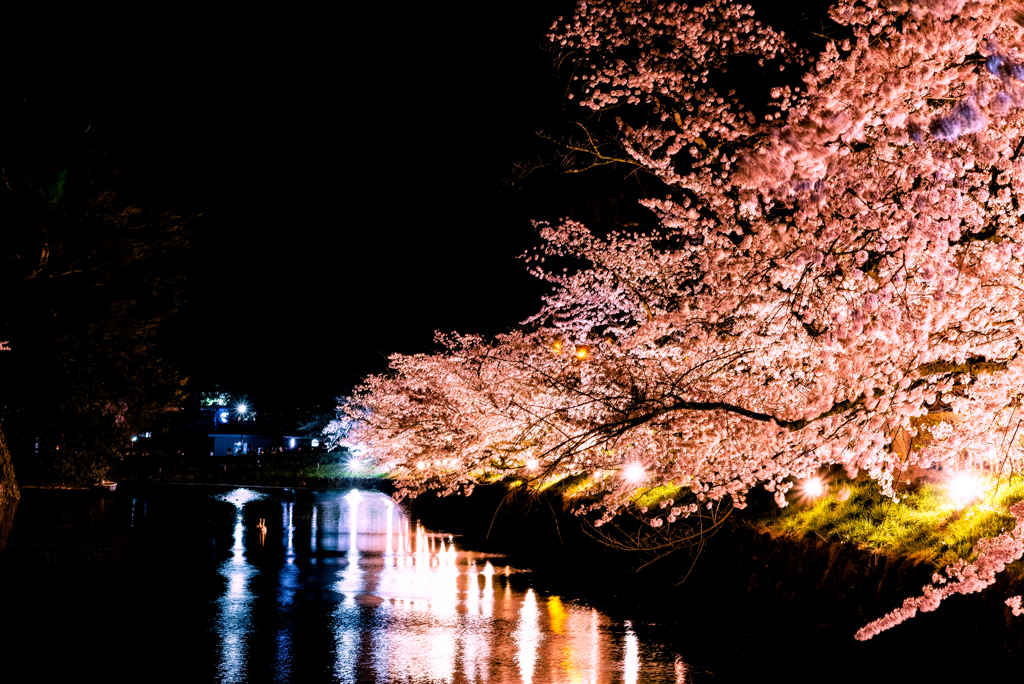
<point>531,464</point>
<point>354,464</point>
<point>964,488</point>
<point>242,408</point>
<point>813,487</point>
<point>634,472</point>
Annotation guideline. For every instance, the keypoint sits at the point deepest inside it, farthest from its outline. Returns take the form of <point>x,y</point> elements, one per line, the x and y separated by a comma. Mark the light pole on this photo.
<point>241,410</point>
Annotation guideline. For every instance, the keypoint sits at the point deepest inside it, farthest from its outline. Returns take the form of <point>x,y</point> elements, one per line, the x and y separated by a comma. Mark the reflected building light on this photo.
<point>527,637</point>
<point>312,533</point>
<point>232,623</point>
<point>240,497</point>
<point>238,548</point>
<point>291,531</point>
<point>631,661</point>
<point>287,584</point>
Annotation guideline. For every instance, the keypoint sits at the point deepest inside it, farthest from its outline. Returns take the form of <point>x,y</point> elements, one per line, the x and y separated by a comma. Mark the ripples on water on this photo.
<point>345,587</point>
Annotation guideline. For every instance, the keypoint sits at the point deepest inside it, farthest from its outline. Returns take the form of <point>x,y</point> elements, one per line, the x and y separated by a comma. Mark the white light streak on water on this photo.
<point>233,619</point>
<point>346,640</point>
<point>631,662</point>
<point>477,630</point>
<point>528,637</point>
<point>290,527</point>
<point>415,609</point>
<point>353,498</point>
<point>595,642</point>
<point>488,602</point>
<point>388,552</point>
<point>680,671</point>
<point>287,583</point>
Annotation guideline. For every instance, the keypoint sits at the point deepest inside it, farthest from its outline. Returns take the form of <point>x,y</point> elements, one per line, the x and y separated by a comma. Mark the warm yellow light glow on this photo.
<point>557,347</point>
<point>964,488</point>
<point>557,613</point>
<point>582,353</point>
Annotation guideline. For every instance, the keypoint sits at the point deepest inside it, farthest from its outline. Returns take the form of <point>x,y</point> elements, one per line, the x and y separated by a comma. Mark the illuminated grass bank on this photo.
<point>933,523</point>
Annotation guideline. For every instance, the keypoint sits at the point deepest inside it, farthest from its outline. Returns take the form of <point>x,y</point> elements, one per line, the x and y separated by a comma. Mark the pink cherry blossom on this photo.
<point>821,279</point>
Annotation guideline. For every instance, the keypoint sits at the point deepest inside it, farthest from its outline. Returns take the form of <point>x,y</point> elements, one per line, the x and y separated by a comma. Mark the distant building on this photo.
<point>228,444</point>
<point>299,442</point>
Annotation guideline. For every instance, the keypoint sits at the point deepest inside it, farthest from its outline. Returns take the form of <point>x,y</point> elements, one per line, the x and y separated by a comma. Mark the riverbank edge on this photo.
<point>823,592</point>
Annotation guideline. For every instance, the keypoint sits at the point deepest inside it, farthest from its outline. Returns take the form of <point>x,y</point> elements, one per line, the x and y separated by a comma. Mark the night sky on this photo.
<point>348,172</point>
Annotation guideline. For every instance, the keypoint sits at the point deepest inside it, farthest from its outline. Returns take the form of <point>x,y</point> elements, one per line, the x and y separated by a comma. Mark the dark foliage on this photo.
<point>91,269</point>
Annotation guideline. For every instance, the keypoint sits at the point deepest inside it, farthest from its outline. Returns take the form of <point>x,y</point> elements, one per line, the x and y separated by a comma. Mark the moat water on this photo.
<point>214,584</point>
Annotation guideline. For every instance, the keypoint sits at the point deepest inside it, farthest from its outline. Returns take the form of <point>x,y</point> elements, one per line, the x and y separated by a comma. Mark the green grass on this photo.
<point>654,495</point>
<point>924,524</point>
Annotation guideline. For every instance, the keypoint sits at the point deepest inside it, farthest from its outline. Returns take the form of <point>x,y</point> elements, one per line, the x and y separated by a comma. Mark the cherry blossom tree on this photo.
<point>830,266</point>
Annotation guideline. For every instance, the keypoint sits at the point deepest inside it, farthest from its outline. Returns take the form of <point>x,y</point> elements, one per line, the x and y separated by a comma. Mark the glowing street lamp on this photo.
<point>241,409</point>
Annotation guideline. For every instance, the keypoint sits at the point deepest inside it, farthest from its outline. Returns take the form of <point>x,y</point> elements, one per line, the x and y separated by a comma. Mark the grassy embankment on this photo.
<point>926,524</point>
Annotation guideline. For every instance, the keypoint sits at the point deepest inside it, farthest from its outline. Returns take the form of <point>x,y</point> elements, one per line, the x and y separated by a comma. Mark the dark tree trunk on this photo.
<point>8,485</point>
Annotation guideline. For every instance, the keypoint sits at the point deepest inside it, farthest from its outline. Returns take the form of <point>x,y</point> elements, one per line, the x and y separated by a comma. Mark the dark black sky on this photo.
<point>347,170</point>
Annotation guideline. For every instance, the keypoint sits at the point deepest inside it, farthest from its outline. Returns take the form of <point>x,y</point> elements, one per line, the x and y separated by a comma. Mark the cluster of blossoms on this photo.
<point>822,280</point>
<point>993,555</point>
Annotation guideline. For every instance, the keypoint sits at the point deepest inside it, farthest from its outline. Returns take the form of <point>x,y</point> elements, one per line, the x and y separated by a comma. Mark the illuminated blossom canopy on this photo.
<point>829,267</point>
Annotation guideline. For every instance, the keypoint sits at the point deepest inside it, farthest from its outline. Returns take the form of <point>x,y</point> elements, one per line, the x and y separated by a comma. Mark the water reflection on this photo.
<point>233,621</point>
<point>407,604</point>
